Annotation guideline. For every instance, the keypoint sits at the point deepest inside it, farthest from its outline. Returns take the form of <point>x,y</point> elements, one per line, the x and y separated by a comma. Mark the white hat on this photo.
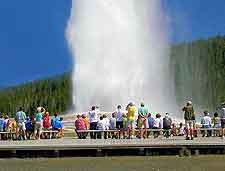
<point>39,109</point>
<point>189,102</point>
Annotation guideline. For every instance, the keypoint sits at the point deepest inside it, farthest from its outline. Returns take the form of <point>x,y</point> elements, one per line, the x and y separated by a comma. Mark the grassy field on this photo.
<point>200,163</point>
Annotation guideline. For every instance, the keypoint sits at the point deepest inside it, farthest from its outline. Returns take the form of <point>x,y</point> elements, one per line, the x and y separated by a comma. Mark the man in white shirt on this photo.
<point>93,119</point>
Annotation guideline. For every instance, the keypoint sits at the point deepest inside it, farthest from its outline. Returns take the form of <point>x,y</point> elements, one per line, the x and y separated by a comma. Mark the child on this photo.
<point>181,130</point>
<point>206,122</point>
<point>101,127</point>
<point>107,124</point>
<point>112,124</point>
<point>61,129</point>
<point>174,130</point>
<point>157,125</point>
<point>216,124</point>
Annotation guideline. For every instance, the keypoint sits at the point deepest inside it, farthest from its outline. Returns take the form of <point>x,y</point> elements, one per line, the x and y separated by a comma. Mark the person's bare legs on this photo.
<point>187,126</point>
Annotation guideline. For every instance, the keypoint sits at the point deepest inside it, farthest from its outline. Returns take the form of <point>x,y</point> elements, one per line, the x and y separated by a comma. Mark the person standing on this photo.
<point>112,126</point>
<point>107,124</point>
<point>101,126</point>
<point>38,123</point>
<point>93,119</point>
<point>46,124</point>
<point>189,117</point>
<point>222,116</point>
<point>119,120</point>
<point>131,110</point>
<point>20,119</point>
<point>143,114</point>
<point>216,122</point>
<point>167,123</point>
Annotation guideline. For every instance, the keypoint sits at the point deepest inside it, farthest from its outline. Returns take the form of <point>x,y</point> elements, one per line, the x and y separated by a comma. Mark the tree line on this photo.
<point>52,93</point>
<point>199,71</point>
<point>198,68</point>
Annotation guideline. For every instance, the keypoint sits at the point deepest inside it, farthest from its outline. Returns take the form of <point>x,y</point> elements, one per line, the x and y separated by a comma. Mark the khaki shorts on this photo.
<point>38,126</point>
<point>189,124</point>
<point>20,126</point>
<point>142,122</point>
<point>131,124</point>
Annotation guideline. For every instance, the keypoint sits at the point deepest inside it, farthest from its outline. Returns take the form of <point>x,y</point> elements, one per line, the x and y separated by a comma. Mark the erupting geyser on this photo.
<point>121,54</point>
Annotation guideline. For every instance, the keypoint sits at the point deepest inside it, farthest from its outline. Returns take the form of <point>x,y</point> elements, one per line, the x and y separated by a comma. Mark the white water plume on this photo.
<point>121,54</point>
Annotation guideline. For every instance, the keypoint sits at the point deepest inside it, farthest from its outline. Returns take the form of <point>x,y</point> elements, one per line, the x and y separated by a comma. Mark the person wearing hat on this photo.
<point>142,121</point>
<point>189,117</point>
<point>38,123</point>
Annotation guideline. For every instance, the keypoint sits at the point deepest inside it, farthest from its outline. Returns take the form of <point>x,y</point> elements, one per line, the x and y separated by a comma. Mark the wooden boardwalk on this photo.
<point>72,143</point>
<point>113,146</point>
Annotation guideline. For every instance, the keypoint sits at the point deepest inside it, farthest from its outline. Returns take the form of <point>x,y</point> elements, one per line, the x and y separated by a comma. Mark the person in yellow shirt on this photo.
<point>131,110</point>
<point>12,129</point>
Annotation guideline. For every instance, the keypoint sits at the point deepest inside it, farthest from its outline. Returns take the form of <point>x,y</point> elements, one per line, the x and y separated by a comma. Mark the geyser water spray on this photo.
<point>121,54</point>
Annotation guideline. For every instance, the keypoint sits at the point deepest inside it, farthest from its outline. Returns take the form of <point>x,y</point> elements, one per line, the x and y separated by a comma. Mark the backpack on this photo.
<point>79,124</point>
<point>167,123</point>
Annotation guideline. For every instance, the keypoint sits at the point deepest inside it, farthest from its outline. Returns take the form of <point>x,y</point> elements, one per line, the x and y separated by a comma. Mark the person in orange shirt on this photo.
<point>131,110</point>
<point>86,120</point>
<point>87,124</point>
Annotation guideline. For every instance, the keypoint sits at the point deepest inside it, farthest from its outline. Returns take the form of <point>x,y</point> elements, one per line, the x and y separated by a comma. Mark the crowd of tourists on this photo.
<point>138,122</point>
<point>128,123</point>
<point>31,126</point>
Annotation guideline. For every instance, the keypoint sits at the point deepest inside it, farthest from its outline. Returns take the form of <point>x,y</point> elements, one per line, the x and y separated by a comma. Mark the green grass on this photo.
<point>200,163</point>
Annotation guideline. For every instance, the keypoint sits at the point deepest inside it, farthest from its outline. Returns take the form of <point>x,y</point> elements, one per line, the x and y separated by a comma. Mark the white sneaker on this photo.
<point>132,137</point>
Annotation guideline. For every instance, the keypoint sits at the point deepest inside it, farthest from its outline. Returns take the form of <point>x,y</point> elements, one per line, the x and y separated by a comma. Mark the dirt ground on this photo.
<point>173,163</point>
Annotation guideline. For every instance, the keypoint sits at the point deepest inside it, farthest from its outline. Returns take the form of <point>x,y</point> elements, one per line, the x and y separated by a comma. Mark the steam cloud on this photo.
<point>121,54</point>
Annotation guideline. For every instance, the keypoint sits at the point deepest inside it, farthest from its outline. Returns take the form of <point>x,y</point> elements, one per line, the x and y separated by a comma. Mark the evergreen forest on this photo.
<point>199,75</point>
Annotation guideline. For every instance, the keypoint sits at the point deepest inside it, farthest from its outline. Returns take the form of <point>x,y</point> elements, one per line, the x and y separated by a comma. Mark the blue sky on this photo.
<point>33,45</point>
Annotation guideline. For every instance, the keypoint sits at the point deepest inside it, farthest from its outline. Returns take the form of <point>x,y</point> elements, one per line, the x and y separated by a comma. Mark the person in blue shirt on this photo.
<point>150,123</point>
<point>59,126</point>
<point>1,125</point>
<point>29,127</point>
<point>54,122</point>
